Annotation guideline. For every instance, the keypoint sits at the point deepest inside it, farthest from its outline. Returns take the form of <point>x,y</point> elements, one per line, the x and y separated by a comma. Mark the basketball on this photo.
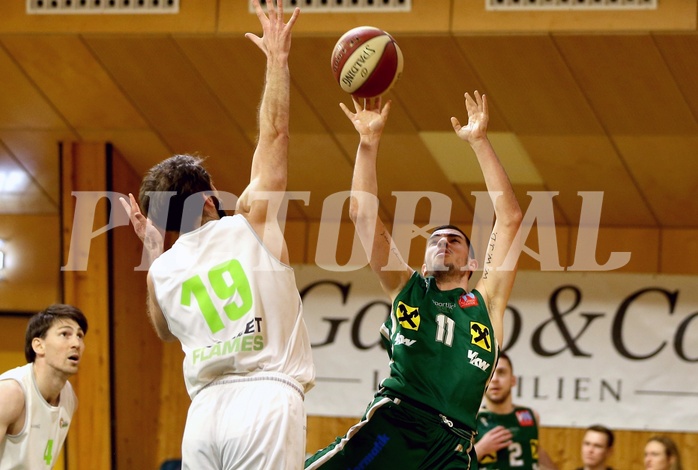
<point>366,62</point>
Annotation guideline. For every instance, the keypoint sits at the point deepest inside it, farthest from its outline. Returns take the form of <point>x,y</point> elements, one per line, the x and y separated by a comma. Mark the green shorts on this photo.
<point>397,434</point>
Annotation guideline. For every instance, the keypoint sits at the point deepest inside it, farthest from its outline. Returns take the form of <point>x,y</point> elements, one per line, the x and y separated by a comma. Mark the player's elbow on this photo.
<point>165,335</point>
<point>512,217</point>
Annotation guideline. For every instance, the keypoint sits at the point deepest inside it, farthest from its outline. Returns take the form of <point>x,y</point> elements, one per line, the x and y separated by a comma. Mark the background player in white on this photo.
<point>37,402</point>
<point>225,290</point>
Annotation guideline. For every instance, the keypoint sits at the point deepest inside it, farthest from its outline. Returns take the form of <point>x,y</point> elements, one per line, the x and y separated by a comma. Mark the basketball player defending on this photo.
<point>441,336</point>
<point>226,292</point>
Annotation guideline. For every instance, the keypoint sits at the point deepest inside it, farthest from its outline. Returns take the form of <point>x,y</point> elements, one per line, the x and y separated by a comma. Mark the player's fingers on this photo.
<point>259,11</point>
<point>357,104</point>
<point>271,9</point>
<point>386,109</point>
<point>255,39</point>
<point>456,124</point>
<point>126,206</point>
<point>348,113</point>
<point>293,18</point>
<point>134,204</point>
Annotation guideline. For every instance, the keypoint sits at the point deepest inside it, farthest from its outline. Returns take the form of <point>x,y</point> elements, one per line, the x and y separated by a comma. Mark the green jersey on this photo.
<point>522,453</point>
<point>442,348</point>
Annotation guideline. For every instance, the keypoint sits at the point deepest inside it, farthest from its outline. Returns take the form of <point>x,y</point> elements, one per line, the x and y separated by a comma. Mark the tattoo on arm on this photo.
<point>490,251</point>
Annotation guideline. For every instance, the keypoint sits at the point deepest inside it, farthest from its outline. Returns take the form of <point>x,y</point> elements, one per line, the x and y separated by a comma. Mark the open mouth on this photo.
<point>74,358</point>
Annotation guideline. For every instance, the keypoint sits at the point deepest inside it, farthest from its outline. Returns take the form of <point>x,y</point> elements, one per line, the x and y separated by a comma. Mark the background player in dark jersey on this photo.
<point>597,447</point>
<point>441,336</point>
<point>508,433</point>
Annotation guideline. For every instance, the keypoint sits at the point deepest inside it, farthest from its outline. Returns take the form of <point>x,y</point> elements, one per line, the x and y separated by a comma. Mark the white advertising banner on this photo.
<point>617,349</point>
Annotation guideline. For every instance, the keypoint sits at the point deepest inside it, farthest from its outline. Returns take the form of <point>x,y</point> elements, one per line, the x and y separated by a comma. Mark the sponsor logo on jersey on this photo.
<point>63,423</point>
<point>408,316</point>
<point>476,361</point>
<point>468,300</point>
<point>447,305</point>
<point>525,418</point>
<point>244,343</point>
<point>480,336</point>
<point>380,442</point>
<point>400,339</point>
<point>534,449</point>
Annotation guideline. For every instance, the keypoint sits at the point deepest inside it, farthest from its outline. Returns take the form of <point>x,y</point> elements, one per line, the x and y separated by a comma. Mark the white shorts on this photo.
<point>254,422</point>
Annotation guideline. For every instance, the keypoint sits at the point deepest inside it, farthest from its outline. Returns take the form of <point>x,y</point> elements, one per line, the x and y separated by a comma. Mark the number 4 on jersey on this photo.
<point>48,452</point>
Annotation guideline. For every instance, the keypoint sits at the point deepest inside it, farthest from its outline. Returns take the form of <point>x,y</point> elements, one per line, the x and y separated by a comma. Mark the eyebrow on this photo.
<point>455,234</point>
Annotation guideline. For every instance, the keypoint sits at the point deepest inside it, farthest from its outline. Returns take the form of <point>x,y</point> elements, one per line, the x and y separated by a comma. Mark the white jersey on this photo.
<point>45,427</point>
<point>234,307</point>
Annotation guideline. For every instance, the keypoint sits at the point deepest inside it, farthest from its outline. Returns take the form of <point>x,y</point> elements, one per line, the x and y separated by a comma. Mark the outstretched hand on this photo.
<point>368,119</point>
<point>276,36</point>
<point>478,116</point>
<point>152,238</point>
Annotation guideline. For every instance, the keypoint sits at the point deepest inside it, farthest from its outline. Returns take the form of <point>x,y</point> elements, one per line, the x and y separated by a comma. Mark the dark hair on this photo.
<point>505,356</point>
<point>456,228</point>
<point>471,252</point>
<point>183,175</point>
<point>604,430</point>
<point>40,323</point>
<point>670,449</point>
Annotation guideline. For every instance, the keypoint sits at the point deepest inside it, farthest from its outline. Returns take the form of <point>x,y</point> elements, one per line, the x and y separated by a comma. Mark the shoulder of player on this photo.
<point>12,399</point>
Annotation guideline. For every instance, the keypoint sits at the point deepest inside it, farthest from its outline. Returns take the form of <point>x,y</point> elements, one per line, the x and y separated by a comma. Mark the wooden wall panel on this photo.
<point>174,403</point>
<point>73,80</point>
<point>678,252</point>
<point>89,439</point>
<point>12,329</point>
<point>31,279</point>
<point>25,107</point>
<point>669,193</point>
<point>561,162</point>
<point>552,102</point>
<point>137,351</point>
<point>624,77</point>
<point>642,244</point>
<point>37,151</point>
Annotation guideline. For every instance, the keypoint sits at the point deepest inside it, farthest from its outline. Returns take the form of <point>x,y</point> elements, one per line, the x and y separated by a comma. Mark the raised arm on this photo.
<point>270,160</point>
<point>369,122</point>
<point>495,284</point>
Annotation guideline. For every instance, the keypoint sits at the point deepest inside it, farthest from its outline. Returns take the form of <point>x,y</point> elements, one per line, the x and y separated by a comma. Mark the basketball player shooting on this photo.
<point>442,337</point>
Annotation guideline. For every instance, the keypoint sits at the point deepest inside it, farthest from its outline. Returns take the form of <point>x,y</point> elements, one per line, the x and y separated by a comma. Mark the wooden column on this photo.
<point>89,439</point>
<point>119,384</point>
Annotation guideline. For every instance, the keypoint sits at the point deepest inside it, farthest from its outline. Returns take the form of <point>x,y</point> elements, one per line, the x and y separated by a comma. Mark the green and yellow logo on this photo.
<point>534,448</point>
<point>408,316</point>
<point>480,336</point>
